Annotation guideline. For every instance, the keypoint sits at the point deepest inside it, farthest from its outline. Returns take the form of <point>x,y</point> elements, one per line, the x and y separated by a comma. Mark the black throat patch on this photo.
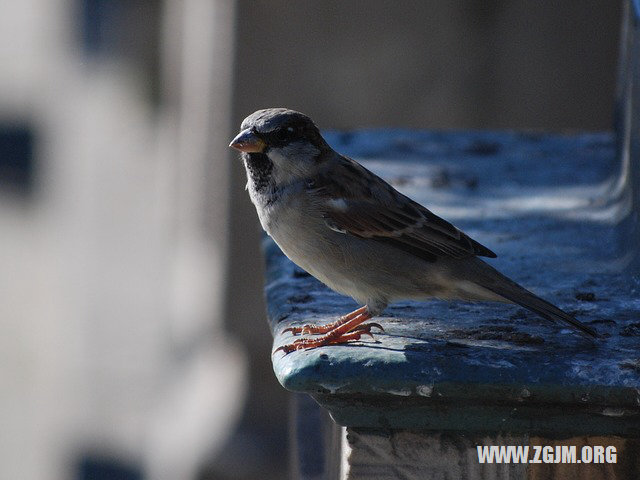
<point>259,169</point>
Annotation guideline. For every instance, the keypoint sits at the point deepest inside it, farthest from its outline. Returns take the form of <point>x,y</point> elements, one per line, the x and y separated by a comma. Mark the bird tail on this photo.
<point>510,290</point>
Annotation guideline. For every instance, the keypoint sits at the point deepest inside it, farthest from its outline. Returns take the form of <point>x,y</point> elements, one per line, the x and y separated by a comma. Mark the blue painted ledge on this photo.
<point>544,204</point>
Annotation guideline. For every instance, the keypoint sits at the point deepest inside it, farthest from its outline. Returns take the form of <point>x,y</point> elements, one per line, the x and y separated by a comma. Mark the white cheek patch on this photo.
<point>292,162</point>
<point>339,204</point>
<point>277,156</point>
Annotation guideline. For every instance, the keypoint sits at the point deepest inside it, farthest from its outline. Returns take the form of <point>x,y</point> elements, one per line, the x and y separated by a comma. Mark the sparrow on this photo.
<point>358,235</point>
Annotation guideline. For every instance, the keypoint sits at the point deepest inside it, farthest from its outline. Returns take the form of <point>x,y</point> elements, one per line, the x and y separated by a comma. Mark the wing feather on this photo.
<point>371,208</point>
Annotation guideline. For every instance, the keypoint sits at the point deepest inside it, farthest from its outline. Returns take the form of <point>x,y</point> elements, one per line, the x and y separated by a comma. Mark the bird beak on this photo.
<point>248,142</point>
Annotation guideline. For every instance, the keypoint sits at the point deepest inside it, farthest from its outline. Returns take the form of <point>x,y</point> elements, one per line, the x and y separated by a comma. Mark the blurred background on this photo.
<point>133,340</point>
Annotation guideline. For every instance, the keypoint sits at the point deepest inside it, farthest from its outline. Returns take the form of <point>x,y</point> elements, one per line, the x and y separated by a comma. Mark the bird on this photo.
<point>360,236</point>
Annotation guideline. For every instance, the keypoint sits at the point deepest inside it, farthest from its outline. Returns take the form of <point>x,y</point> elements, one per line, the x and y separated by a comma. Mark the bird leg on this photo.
<point>317,329</point>
<point>347,328</point>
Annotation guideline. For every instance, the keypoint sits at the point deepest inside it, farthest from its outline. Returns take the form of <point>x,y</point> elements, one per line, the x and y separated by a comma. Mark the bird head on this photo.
<point>288,140</point>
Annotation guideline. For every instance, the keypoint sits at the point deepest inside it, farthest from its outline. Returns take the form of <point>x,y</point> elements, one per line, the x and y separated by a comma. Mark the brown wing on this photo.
<point>371,208</point>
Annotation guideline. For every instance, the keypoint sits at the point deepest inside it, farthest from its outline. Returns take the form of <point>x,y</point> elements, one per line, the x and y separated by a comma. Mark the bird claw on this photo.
<point>347,328</point>
<point>307,329</point>
<point>303,329</point>
<point>330,339</point>
<point>366,328</point>
<point>301,343</point>
<point>313,329</point>
<point>285,348</point>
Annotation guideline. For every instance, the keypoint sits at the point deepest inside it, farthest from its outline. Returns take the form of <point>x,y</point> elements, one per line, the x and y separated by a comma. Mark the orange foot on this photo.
<point>347,328</point>
<point>317,329</point>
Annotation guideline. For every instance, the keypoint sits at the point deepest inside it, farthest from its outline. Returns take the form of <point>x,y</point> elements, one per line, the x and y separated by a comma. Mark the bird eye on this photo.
<point>284,135</point>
